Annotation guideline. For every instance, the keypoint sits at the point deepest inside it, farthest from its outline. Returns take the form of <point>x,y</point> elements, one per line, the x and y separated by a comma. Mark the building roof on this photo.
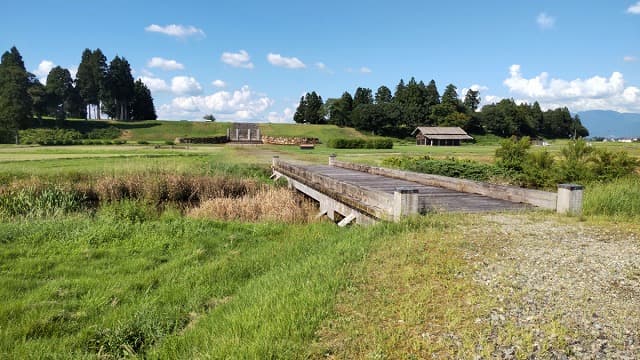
<point>442,133</point>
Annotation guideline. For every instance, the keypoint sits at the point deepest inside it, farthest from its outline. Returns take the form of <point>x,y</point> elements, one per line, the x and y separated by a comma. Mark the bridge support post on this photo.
<point>332,159</point>
<point>405,202</point>
<point>569,199</point>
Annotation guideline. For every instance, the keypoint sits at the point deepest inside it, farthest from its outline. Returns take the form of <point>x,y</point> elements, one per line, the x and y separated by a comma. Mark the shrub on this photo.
<point>49,136</point>
<point>143,142</point>
<point>107,133</point>
<point>512,153</point>
<point>464,169</point>
<point>349,143</point>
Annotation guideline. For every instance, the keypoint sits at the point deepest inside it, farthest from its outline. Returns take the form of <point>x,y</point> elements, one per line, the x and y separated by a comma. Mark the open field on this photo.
<point>131,279</point>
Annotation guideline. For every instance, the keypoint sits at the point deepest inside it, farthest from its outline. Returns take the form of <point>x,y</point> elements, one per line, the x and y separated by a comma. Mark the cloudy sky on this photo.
<point>252,60</point>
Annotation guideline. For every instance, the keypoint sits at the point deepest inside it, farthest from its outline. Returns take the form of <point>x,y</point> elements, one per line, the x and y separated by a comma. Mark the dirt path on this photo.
<point>585,277</point>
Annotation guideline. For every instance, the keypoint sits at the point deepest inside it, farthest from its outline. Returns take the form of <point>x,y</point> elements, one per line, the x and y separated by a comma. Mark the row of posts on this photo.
<point>237,134</point>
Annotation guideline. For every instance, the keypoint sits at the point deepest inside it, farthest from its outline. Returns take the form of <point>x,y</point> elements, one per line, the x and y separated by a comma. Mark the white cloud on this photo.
<point>286,62</point>
<point>164,64</point>
<point>594,93</point>
<point>321,66</point>
<point>629,58</point>
<point>240,59</point>
<point>185,85</point>
<point>285,117</point>
<point>634,9</point>
<point>474,87</point>
<point>240,105</point>
<point>146,72</point>
<point>154,84</point>
<point>43,70</point>
<point>219,83</point>
<point>179,31</point>
<point>545,21</point>
<point>365,70</point>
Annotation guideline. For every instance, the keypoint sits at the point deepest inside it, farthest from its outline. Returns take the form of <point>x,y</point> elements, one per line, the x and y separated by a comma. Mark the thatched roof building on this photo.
<point>438,136</point>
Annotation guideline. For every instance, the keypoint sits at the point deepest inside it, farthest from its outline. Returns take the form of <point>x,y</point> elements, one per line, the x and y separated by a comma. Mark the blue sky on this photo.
<point>265,55</point>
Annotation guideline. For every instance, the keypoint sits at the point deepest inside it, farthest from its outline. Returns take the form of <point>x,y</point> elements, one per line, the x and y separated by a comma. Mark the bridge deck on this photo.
<point>430,197</point>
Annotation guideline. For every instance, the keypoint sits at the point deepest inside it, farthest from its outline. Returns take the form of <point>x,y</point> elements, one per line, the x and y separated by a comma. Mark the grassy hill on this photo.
<point>322,132</point>
<point>161,130</point>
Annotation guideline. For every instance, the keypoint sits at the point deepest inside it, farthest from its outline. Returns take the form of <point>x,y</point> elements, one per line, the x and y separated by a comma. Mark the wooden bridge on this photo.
<point>365,194</point>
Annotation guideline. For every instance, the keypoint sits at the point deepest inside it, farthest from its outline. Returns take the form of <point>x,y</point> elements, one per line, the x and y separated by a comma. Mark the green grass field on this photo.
<point>129,279</point>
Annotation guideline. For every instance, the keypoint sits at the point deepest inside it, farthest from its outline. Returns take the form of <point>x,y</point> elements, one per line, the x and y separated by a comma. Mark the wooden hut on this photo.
<point>440,136</point>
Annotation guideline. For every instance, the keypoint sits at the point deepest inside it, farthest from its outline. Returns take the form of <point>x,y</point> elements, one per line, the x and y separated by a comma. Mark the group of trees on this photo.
<point>418,104</point>
<point>98,88</point>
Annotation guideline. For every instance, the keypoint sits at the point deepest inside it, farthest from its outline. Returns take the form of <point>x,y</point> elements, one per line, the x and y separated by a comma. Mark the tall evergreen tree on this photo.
<point>383,95</point>
<point>59,89</point>
<point>301,110</point>
<point>15,102</point>
<point>313,112</point>
<point>142,107</point>
<point>362,96</point>
<point>38,94</point>
<point>432,94</point>
<point>119,88</point>
<point>90,79</point>
<point>472,100</point>
<point>450,95</point>
<point>99,67</point>
<point>340,110</point>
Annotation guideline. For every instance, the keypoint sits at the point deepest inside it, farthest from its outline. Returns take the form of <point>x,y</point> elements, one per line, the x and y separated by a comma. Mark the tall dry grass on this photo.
<point>172,188</point>
<point>268,204</point>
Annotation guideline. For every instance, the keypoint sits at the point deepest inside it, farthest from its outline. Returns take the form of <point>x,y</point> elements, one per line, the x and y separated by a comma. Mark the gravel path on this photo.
<point>581,277</point>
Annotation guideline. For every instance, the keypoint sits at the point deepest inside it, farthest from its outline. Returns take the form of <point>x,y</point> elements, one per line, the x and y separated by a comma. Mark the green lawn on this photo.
<point>81,287</point>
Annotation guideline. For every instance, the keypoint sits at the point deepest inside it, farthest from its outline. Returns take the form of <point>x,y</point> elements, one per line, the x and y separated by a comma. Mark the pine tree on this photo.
<point>432,94</point>
<point>142,107</point>
<point>90,79</point>
<point>59,88</point>
<point>313,112</point>
<point>362,96</point>
<point>472,100</point>
<point>15,102</point>
<point>301,110</point>
<point>383,95</point>
<point>119,88</point>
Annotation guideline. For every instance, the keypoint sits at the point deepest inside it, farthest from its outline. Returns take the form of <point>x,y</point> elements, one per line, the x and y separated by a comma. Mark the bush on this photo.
<point>512,153</point>
<point>464,169</point>
<point>49,136</point>
<point>106,133</point>
<point>143,142</point>
<point>350,143</point>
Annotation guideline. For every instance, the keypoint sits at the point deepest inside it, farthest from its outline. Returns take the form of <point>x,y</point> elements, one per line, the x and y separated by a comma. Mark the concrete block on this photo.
<point>570,199</point>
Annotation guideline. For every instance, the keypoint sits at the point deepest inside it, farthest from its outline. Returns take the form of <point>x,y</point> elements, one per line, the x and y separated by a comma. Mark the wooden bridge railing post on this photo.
<point>405,202</point>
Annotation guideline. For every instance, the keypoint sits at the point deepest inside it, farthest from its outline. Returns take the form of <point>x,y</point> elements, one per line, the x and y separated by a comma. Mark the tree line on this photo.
<point>97,88</point>
<point>416,104</point>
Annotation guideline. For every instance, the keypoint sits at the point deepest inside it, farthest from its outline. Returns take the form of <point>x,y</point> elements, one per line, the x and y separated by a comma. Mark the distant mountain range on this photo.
<point>604,123</point>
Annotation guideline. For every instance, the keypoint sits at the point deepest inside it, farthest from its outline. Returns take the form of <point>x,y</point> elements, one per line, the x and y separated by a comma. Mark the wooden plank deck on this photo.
<point>431,198</point>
